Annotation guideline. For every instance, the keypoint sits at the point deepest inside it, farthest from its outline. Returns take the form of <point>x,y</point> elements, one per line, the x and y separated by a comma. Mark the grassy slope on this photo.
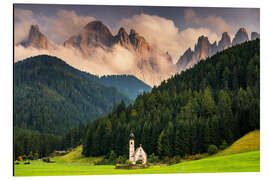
<point>233,159</point>
<point>249,142</point>
<point>75,156</point>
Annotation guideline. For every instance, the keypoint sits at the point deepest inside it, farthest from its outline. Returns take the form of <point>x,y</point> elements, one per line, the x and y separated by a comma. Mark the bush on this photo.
<point>139,162</point>
<point>212,149</point>
<point>112,157</point>
<point>47,160</point>
<point>36,156</point>
<point>153,159</point>
<point>224,145</point>
<point>30,156</point>
<point>121,160</point>
<point>128,162</point>
<point>166,159</point>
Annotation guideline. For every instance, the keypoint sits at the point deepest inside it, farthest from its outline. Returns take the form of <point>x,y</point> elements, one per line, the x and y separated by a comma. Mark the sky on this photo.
<point>166,29</point>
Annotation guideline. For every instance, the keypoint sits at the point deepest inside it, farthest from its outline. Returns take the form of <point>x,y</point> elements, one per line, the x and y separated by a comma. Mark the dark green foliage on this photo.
<point>223,146</point>
<point>50,96</point>
<point>218,99</point>
<point>33,144</point>
<point>212,149</point>
<point>153,158</point>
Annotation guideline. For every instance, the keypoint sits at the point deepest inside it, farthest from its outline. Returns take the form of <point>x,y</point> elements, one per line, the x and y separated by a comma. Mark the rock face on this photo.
<point>133,41</point>
<point>94,34</point>
<point>255,35</point>
<point>240,37</point>
<point>35,39</point>
<point>202,50</point>
<point>225,42</point>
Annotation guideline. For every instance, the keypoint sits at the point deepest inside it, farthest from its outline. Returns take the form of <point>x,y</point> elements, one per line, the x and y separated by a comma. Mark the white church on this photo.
<point>139,154</point>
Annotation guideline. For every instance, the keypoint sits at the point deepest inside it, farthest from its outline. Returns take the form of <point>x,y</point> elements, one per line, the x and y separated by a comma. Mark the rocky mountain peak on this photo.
<point>35,39</point>
<point>240,37</point>
<point>255,35</point>
<point>97,26</point>
<point>95,34</point>
<point>224,42</point>
<point>138,42</point>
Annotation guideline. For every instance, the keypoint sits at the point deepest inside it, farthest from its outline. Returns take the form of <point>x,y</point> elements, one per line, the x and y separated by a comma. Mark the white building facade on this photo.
<point>139,154</point>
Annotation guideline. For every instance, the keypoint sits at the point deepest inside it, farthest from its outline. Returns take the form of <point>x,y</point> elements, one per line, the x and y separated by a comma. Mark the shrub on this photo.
<point>224,145</point>
<point>121,160</point>
<point>139,162</point>
<point>212,149</point>
<point>30,156</point>
<point>128,162</point>
<point>153,159</point>
<point>166,159</point>
<point>112,157</point>
<point>36,156</point>
<point>24,157</point>
<point>47,160</point>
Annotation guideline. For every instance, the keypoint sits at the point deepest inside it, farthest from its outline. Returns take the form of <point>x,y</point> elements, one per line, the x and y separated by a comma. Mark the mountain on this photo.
<point>240,37</point>
<point>50,96</point>
<point>94,34</point>
<point>147,66</point>
<point>255,35</point>
<point>126,84</point>
<point>225,42</point>
<point>214,103</point>
<point>203,49</point>
<point>36,39</point>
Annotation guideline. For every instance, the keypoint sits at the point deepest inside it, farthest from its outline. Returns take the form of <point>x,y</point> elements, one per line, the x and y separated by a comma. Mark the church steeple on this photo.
<point>131,147</point>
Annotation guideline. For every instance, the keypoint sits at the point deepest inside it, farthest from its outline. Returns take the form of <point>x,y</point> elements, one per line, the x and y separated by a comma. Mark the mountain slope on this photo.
<point>126,84</point>
<point>217,100</point>
<point>51,96</point>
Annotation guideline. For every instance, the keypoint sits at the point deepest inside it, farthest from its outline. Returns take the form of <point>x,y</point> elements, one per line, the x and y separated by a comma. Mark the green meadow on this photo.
<point>242,156</point>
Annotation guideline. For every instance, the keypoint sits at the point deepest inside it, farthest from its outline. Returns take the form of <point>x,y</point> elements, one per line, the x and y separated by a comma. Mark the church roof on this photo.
<point>131,135</point>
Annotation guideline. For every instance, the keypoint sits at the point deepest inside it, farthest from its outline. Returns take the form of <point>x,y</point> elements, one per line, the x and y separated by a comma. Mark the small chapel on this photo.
<point>139,154</point>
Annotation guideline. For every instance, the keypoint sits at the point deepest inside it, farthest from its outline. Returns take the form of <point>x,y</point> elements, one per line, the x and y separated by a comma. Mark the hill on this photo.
<point>50,96</point>
<point>128,85</point>
<point>249,142</point>
<point>76,156</point>
<point>217,100</point>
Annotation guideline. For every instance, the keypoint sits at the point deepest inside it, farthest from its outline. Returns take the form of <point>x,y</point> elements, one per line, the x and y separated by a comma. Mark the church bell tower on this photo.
<point>131,147</point>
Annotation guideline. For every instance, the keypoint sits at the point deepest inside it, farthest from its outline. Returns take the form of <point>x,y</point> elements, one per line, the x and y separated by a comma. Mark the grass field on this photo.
<point>242,156</point>
<point>241,162</point>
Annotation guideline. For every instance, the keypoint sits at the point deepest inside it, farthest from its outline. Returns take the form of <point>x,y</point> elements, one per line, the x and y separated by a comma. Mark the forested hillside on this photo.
<point>51,96</point>
<point>217,101</point>
<point>126,84</point>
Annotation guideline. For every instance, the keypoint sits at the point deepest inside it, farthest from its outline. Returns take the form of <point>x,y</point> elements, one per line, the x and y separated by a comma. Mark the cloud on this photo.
<point>190,36</point>
<point>216,23</point>
<point>22,21</point>
<point>64,25</point>
<point>101,62</point>
<point>57,29</point>
<point>163,35</point>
